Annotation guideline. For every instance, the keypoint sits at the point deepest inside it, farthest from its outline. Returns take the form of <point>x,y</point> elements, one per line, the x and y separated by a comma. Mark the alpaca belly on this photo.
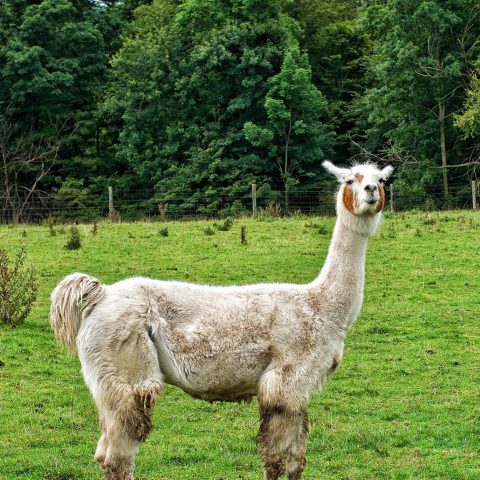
<point>228,379</point>
<point>223,377</point>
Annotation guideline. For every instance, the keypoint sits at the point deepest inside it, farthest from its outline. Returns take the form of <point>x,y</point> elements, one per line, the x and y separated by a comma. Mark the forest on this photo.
<point>182,100</point>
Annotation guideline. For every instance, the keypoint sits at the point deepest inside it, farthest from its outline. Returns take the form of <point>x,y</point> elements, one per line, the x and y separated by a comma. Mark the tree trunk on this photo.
<point>441,119</point>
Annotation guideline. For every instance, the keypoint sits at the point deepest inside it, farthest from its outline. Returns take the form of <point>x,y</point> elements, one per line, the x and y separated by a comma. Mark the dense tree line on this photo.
<point>200,98</point>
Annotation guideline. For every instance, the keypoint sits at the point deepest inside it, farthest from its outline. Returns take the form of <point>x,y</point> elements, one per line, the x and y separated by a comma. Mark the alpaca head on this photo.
<point>362,188</point>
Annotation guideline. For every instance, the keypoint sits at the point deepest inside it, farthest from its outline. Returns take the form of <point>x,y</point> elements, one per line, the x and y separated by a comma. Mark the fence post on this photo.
<point>254,200</point>
<point>110,202</point>
<point>474,194</point>
<point>392,209</point>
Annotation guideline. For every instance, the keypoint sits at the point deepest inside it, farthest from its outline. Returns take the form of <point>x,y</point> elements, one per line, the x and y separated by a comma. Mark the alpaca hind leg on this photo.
<point>283,426</point>
<point>126,426</point>
<point>125,378</point>
<point>102,444</point>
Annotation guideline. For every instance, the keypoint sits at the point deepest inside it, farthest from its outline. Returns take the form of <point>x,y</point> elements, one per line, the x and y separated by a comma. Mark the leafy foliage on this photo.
<point>18,288</point>
<point>195,99</point>
<point>74,241</point>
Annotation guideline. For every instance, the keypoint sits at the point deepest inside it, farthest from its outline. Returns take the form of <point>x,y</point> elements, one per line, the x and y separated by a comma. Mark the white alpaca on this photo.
<point>279,342</point>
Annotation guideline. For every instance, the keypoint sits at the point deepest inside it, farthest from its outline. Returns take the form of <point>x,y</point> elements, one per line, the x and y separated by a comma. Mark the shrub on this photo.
<point>162,211</point>
<point>243,235</point>
<point>18,288</point>
<point>164,232</point>
<point>226,225</point>
<point>209,231</point>
<point>73,241</point>
<point>51,226</point>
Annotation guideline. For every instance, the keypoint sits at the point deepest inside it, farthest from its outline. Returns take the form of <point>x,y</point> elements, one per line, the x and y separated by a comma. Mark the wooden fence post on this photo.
<point>474,194</point>
<point>110,202</point>
<point>254,200</point>
<point>392,209</point>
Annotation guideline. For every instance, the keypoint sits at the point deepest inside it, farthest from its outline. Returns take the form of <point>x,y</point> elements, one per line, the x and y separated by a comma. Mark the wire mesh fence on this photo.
<point>145,205</point>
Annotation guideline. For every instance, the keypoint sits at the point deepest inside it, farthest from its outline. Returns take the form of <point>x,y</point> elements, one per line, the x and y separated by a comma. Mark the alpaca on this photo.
<point>279,342</point>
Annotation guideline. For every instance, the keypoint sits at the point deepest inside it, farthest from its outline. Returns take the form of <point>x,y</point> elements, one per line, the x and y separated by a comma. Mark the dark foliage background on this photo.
<point>192,101</point>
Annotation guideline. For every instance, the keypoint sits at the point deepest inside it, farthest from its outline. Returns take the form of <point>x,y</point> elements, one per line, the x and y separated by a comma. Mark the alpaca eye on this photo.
<point>349,182</point>
<point>382,181</point>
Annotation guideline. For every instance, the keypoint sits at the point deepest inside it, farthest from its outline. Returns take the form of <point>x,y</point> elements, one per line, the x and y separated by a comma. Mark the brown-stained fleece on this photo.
<point>359,176</point>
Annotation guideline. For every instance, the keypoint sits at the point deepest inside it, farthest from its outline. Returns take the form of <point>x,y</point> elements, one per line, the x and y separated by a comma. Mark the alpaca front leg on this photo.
<point>283,441</point>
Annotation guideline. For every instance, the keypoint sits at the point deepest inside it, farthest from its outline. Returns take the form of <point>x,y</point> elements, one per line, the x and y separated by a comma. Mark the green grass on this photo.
<point>405,403</point>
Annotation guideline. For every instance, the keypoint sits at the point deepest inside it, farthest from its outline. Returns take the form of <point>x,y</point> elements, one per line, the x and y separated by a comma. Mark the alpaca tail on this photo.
<point>72,299</point>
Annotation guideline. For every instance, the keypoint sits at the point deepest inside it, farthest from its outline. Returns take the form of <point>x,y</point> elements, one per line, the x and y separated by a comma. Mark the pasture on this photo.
<point>404,404</point>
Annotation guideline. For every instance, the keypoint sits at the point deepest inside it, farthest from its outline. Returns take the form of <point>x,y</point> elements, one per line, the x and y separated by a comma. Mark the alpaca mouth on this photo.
<point>371,202</point>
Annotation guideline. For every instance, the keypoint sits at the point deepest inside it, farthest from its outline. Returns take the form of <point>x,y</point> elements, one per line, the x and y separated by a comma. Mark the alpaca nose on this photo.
<point>372,187</point>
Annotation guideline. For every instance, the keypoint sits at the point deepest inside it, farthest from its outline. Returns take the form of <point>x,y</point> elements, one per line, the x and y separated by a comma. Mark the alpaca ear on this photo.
<point>340,173</point>
<point>386,172</point>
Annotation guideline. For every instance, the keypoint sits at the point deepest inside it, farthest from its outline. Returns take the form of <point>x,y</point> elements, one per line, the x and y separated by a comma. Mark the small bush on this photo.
<point>209,231</point>
<point>162,211</point>
<point>226,225</point>
<point>243,235</point>
<point>163,232</point>
<point>18,288</point>
<point>51,226</point>
<point>73,242</point>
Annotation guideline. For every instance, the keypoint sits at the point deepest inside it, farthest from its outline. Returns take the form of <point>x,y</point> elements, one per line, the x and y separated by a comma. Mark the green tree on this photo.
<point>422,53</point>
<point>469,119</point>
<point>187,80</point>
<point>292,134</point>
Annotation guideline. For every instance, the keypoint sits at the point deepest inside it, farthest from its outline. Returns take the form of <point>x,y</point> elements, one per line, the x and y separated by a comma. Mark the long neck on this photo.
<point>341,281</point>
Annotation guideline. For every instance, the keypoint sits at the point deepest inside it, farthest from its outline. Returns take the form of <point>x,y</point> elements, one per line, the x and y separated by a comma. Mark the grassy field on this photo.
<point>405,403</point>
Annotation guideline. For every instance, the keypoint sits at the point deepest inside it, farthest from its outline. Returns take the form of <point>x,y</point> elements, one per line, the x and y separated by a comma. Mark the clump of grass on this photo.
<point>18,288</point>
<point>322,230</point>
<point>130,235</point>
<point>24,233</point>
<point>391,233</point>
<point>94,228</point>
<point>209,231</point>
<point>163,232</point>
<point>418,233</point>
<point>270,211</point>
<point>226,225</point>
<point>114,217</point>
<point>74,241</point>
<point>429,220</point>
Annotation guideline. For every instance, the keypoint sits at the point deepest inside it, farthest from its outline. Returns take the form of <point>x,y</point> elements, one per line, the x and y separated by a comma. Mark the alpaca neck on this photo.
<point>341,281</point>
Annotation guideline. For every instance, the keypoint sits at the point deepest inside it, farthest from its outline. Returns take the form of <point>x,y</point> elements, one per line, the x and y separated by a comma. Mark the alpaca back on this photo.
<point>72,298</point>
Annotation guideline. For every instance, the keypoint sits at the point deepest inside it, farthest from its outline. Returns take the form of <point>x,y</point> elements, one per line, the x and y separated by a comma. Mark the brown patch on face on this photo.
<point>381,199</point>
<point>349,199</point>
<point>359,176</point>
